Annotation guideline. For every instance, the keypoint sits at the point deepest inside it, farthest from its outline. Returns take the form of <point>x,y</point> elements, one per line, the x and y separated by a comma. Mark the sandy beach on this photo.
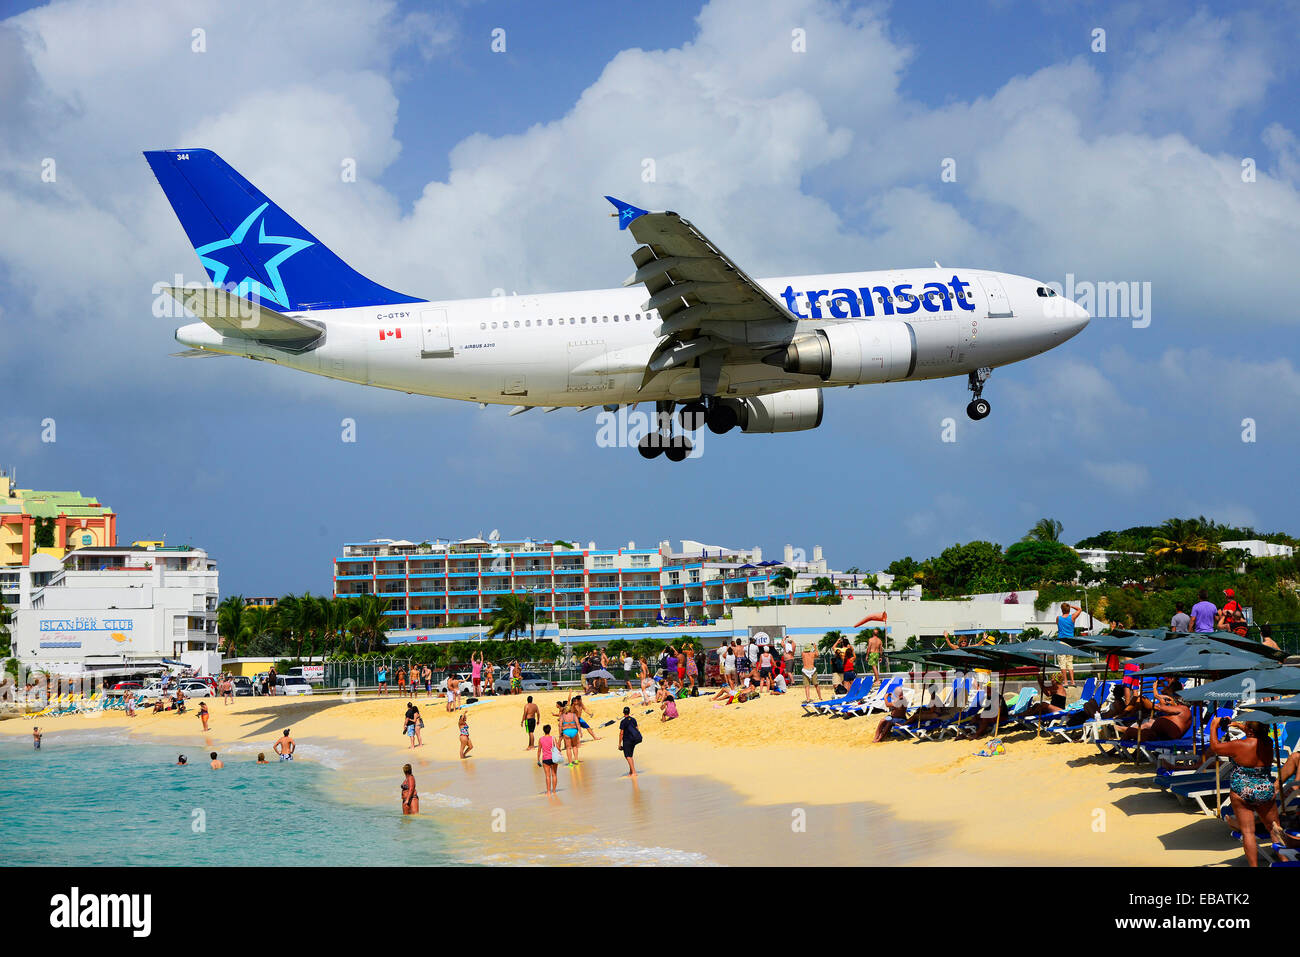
<point>752,783</point>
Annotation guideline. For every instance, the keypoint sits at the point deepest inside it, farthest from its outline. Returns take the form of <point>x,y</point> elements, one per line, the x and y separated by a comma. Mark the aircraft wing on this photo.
<point>711,312</point>
<point>239,318</point>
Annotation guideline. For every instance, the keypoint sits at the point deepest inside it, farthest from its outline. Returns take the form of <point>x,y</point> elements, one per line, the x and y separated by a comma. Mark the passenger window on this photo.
<point>494,325</point>
<point>482,325</point>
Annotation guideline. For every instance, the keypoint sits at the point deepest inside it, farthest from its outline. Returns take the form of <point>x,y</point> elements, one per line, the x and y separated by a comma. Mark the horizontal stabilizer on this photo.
<point>238,318</point>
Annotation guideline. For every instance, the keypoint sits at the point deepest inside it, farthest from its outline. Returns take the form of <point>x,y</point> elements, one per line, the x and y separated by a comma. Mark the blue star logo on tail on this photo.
<point>626,212</point>
<point>248,255</point>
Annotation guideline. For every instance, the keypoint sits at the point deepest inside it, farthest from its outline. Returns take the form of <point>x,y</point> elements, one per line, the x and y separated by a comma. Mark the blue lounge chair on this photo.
<point>856,692</point>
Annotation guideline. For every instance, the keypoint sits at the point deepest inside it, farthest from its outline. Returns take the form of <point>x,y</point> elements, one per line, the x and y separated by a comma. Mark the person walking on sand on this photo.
<point>629,736</point>
<point>203,714</point>
<point>546,758</point>
<point>462,728</point>
<point>285,747</point>
<point>529,721</point>
<point>217,764</point>
<point>408,724</point>
<point>410,796</point>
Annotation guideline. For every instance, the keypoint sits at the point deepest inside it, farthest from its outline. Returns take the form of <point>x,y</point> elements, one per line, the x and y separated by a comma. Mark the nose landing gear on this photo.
<point>979,407</point>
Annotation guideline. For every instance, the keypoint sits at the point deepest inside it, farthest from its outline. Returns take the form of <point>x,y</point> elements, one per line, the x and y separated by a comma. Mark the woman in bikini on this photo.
<point>410,797</point>
<point>1251,784</point>
<point>571,732</point>
<point>462,728</point>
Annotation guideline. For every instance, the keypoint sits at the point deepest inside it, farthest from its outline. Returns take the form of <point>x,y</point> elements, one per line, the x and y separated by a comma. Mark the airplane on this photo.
<point>723,350</point>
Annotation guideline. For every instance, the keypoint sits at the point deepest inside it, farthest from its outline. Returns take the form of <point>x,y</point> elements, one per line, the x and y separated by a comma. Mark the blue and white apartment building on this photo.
<point>444,590</point>
<point>451,584</point>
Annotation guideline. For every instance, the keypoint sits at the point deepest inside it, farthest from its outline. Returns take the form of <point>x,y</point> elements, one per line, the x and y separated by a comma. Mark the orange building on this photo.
<point>74,519</point>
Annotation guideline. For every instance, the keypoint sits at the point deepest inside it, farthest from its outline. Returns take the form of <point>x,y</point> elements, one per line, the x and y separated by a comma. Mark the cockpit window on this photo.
<point>1046,291</point>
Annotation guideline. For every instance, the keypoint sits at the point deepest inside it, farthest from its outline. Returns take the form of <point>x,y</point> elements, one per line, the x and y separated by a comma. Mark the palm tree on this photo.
<point>370,623</point>
<point>230,622</point>
<point>823,584</point>
<point>872,582</point>
<point>829,639</point>
<point>1044,530</point>
<point>258,621</point>
<point>783,578</point>
<point>1184,539</point>
<point>513,614</point>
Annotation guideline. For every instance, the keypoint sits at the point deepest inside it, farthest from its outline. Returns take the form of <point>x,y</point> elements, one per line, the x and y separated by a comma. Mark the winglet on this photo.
<point>626,212</point>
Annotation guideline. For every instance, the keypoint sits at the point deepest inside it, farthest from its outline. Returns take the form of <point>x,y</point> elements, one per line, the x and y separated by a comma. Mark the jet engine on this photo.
<point>792,411</point>
<point>877,350</point>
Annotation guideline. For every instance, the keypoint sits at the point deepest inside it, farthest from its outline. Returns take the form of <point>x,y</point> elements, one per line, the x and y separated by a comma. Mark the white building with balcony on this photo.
<point>116,610</point>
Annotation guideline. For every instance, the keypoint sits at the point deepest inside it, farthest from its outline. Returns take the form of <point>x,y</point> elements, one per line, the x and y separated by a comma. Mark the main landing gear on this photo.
<point>675,448</point>
<point>692,416</point>
<point>979,407</point>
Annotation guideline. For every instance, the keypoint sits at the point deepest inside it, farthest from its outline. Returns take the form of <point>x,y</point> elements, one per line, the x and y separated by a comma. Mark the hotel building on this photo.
<point>116,610</point>
<point>449,584</point>
<point>74,521</point>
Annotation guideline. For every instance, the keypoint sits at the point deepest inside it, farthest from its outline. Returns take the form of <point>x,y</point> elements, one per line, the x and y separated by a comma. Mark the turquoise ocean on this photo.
<point>96,801</point>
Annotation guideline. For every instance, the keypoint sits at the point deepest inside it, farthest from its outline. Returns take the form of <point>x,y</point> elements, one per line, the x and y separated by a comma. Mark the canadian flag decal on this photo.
<point>390,334</point>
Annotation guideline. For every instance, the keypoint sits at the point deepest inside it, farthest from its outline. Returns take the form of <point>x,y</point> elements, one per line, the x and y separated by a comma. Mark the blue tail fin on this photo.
<point>247,242</point>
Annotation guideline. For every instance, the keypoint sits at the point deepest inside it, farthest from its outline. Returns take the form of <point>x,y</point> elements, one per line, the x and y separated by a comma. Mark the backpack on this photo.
<point>632,734</point>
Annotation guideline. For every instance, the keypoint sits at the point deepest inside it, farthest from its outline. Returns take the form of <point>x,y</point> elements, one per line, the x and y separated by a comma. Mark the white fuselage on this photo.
<point>591,348</point>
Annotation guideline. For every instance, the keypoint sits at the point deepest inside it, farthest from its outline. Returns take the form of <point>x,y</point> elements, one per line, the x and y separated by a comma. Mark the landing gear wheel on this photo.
<point>978,409</point>
<point>679,447</point>
<point>651,445</point>
<point>692,416</point>
<point>721,418</point>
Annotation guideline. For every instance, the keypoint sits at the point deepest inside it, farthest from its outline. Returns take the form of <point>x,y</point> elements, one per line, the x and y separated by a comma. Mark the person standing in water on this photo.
<point>410,796</point>
<point>217,764</point>
<point>629,736</point>
<point>546,758</point>
<point>529,721</point>
<point>36,738</point>
<point>285,747</point>
<point>462,727</point>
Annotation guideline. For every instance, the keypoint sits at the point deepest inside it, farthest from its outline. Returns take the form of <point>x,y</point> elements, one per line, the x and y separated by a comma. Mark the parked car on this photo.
<point>529,681</point>
<point>241,686</point>
<point>124,686</point>
<point>195,688</point>
<point>292,685</point>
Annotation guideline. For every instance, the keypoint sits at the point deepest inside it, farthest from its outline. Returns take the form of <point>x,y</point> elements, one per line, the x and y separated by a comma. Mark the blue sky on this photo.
<point>482,170</point>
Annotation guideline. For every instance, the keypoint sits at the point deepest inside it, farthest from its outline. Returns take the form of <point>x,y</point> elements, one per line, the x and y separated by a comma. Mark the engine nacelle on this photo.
<point>792,411</point>
<point>875,350</point>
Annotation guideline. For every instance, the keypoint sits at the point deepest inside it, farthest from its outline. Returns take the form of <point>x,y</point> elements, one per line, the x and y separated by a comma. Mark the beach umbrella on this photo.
<point>1195,663</point>
<point>1246,644</point>
<point>1047,647</point>
<point>1270,678</point>
<point>1003,657</point>
<point>600,673</point>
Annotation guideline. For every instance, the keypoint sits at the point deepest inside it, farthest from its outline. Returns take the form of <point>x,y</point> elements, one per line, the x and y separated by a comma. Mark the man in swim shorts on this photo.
<point>875,647</point>
<point>529,721</point>
<point>810,673</point>
<point>285,747</point>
